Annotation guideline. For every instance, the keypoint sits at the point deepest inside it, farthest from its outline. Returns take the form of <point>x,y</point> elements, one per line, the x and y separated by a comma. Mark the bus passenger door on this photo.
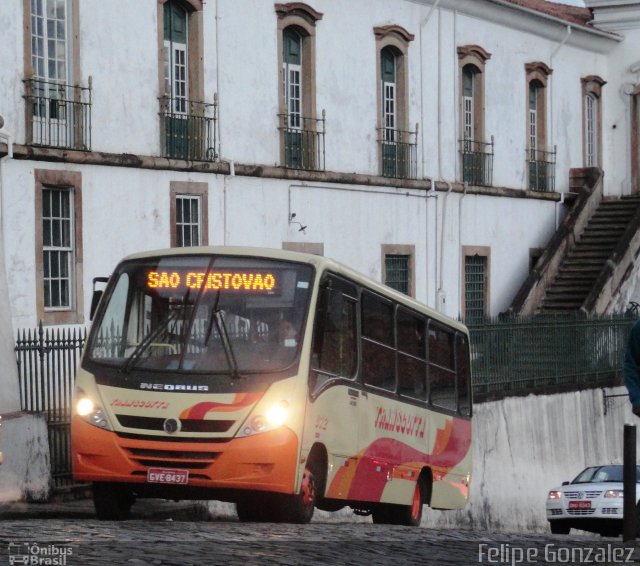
<point>335,396</point>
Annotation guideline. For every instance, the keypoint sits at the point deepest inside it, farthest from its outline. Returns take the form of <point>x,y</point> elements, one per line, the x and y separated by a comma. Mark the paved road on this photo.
<point>82,541</point>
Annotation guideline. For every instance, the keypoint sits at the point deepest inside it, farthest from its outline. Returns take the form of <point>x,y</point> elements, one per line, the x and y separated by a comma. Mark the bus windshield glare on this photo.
<point>206,314</point>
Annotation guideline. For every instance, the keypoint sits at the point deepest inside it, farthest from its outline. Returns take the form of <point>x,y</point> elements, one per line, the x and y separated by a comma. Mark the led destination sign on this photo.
<point>253,281</point>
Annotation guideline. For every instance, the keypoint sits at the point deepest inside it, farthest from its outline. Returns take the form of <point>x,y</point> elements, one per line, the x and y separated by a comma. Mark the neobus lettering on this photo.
<point>172,387</point>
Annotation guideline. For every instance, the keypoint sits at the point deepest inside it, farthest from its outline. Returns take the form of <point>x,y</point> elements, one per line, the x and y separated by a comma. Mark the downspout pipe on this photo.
<point>551,89</point>
<point>460,277</point>
<point>422,89</point>
<point>10,398</point>
<point>441,297</point>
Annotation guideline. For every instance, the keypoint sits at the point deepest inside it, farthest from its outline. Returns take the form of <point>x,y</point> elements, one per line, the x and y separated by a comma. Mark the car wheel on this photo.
<point>559,527</point>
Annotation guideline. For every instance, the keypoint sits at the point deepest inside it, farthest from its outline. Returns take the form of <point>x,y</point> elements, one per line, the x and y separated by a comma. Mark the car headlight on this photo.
<point>90,411</point>
<point>555,495</point>
<point>274,417</point>
<point>614,493</point>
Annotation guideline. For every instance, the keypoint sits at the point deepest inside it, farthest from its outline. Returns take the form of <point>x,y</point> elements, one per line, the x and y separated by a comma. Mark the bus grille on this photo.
<point>187,425</point>
<point>186,459</point>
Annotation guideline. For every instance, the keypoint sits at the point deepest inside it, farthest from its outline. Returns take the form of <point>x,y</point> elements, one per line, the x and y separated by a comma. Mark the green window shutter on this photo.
<point>387,66</point>
<point>292,47</point>
<point>175,23</point>
<point>467,81</point>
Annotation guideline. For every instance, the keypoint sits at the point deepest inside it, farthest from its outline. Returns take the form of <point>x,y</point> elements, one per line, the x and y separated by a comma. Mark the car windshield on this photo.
<point>603,474</point>
<point>220,314</point>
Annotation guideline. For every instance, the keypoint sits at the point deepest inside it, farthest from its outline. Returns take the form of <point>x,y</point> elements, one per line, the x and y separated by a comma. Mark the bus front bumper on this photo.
<point>263,462</point>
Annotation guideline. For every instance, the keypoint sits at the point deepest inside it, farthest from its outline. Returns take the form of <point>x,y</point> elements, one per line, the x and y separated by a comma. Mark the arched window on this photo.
<point>592,120</point>
<point>397,145</point>
<point>540,158</point>
<point>187,121</point>
<point>302,134</point>
<point>176,79</point>
<point>591,130</point>
<point>57,107</point>
<point>476,152</point>
<point>292,76</point>
<point>469,102</point>
<point>536,115</point>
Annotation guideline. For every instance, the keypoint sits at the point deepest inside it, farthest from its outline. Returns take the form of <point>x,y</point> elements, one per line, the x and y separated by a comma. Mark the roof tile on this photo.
<point>572,14</point>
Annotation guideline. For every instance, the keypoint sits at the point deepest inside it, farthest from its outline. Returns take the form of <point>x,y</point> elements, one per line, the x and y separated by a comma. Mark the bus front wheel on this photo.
<point>112,502</point>
<point>299,508</point>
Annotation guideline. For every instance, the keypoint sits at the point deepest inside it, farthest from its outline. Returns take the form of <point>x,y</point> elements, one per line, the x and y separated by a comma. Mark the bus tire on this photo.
<point>407,515</point>
<point>299,508</point>
<point>255,511</point>
<point>112,502</point>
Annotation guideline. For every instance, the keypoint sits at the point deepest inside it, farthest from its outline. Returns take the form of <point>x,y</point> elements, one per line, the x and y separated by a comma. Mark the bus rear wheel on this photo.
<point>407,515</point>
<point>112,501</point>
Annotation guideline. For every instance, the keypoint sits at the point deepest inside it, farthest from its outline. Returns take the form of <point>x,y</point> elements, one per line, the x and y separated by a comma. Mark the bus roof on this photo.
<point>321,263</point>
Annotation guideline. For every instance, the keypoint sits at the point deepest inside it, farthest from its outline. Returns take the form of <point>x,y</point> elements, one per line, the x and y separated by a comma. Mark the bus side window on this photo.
<point>334,335</point>
<point>442,375</point>
<point>412,366</point>
<point>463,371</point>
<point>378,349</point>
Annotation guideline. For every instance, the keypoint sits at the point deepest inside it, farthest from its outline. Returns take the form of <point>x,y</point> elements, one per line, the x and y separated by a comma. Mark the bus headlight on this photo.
<point>91,412</point>
<point>274,417</point>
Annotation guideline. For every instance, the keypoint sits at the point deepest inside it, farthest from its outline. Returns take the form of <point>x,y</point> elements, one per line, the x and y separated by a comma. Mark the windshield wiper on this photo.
<point>217,318</point>
<point>221,326</point>
<point>147,340</point>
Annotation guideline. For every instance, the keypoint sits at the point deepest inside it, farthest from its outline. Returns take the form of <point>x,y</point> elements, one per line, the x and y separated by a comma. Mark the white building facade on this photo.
<point>426,143</point>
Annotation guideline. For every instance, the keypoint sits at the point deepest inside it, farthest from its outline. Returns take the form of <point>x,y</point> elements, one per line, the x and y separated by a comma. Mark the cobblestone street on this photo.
<point>80,542</point>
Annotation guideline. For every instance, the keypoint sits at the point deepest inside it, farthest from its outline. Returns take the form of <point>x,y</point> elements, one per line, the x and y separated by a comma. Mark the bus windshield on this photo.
<point>209,314</point>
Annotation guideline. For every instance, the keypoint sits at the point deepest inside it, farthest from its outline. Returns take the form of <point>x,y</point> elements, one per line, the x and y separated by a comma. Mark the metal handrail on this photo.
<point>542,169</point>
<point>189,128</point>
<point>477,161</point>
<point>398,152</point>
<point>303,141</point>
<point>58,114</point>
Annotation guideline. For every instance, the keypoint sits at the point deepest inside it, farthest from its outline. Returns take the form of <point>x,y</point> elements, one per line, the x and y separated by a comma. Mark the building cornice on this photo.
<point>514,16</point>
<point>148,162</point>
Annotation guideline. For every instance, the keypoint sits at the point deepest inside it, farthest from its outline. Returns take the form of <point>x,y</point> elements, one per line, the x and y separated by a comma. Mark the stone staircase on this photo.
<point>581,266</point>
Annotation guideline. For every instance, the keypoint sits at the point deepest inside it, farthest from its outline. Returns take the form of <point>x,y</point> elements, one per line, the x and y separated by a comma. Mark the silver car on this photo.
<point>591,502</point>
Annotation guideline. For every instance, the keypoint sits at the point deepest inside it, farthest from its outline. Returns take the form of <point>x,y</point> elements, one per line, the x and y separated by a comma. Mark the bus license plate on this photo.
<point>579,504</point>
<point>167,475</point>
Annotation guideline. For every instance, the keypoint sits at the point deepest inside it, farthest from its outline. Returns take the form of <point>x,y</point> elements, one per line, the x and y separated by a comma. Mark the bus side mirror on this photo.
<point>97,295</point>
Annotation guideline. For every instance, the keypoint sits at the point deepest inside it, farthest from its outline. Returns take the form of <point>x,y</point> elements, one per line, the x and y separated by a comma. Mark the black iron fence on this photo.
<point>542,170</point>
<point>509,355</point>
<point>47,361</point>
<point>477,162</point>
<point>544,351</point>
<point>303,141</point>
<point>58,114</point>
<point>398,153</point>
<point>189,128</point>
